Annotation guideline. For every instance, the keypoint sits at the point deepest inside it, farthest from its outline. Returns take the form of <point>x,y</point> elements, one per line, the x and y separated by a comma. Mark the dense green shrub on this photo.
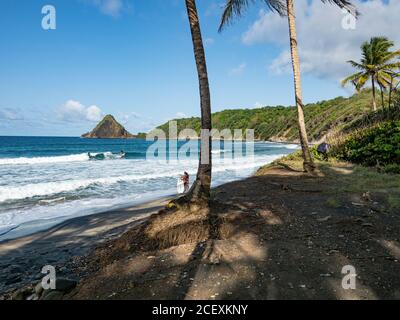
<point>377,146</point>
<point>392,168</point>
<point>396,98</point>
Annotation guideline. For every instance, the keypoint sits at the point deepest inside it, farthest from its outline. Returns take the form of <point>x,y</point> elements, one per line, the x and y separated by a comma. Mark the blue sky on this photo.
<point>134,59</point>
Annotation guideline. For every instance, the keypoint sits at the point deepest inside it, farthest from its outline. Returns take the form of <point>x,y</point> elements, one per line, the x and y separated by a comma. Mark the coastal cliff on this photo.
<point>109,128</point>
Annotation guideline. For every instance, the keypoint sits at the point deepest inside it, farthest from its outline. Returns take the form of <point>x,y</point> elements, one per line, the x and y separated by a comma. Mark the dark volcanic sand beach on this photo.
<point>22,259</point>
<point>278,235</point>
<point>281,234</point>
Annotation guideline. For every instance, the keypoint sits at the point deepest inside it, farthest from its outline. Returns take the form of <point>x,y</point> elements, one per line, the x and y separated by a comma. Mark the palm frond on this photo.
<point>236,8</point>
<point>352,78</point>
<point>383,80</point>
<point>392,55</point>
<point>391,66</point>
<point>278,6</point>
<point>362,81</point>
<point>357,65</point>
<point>344,4</point>
<point>233,8</point>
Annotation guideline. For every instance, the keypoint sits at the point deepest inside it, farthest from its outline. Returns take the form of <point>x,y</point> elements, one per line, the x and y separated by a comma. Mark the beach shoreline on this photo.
<point>64,182</point>
<point>22,258</point>
<point>23,254</point>
<point>25,250</point>
<point>256,216</point>
<point>30,228</point>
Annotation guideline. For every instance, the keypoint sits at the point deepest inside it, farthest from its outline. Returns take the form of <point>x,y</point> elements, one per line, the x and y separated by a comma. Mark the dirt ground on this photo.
<point>281,234</point>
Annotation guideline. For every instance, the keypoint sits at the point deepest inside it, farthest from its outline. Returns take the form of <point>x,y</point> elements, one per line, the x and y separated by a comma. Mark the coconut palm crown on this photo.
<point>376,65</point>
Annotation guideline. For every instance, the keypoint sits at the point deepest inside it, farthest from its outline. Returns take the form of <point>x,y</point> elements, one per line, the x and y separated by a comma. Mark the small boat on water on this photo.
<point>49,201</point>
<point>106,156</point>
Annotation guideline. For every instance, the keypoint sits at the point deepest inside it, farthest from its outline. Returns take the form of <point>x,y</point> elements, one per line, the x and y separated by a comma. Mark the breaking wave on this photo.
<point>45,160</point>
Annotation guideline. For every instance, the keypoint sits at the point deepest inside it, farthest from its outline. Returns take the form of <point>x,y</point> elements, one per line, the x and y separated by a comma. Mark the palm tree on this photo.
<point>285,8</point>
<point>200,190</point>
<point>394,83</point>
<point>376,65</point>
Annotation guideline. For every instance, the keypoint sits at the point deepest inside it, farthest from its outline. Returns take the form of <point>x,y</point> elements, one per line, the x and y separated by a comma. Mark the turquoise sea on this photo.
<point>45,180</point>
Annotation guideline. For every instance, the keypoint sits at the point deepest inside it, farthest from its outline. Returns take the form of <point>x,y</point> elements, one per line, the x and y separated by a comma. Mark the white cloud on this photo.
<point>93,113</point>
<point>238,70</point>
<point>125,118</point>
<point>209,41</point>
<point>282,64</point>
<point>135,122</point>
<point>259,105</point>
<point>324,44</point>
<point>75,111</point>
<point>11,114</point>
<point>109,7</point>
<point>181,115</point>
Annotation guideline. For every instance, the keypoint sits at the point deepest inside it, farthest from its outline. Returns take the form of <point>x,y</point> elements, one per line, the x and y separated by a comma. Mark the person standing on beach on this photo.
<point>185,178</point>
<point>323,149</point>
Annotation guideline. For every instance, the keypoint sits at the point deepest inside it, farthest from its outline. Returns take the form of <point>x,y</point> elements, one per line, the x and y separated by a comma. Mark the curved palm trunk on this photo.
<point>373,93</point>
<point>308,161</point>
<point>200,190</point>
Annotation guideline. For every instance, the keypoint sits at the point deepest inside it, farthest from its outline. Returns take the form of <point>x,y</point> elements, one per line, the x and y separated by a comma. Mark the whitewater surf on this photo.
<point>53,179</point>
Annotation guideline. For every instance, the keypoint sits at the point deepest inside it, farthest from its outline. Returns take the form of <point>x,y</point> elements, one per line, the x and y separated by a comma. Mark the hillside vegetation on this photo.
<point>373,140</point>
<point>354,132</point>
<point>280,123</point>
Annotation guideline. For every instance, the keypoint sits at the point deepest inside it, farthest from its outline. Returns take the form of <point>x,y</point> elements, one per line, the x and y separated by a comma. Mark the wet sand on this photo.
<point>22,259</point>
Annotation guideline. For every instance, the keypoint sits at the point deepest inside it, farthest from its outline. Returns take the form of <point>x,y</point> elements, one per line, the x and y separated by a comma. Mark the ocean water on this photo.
<point>45,180</point>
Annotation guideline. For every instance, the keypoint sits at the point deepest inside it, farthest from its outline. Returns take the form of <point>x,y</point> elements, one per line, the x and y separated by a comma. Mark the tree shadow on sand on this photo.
<point>277,236</point>
<point>280,235</point>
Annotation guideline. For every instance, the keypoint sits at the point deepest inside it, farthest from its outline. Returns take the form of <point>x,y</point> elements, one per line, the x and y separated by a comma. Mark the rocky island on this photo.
<point>109,128</point>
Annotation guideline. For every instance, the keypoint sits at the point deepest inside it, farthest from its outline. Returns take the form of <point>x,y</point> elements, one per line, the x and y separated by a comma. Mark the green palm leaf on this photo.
<point>352,78</point>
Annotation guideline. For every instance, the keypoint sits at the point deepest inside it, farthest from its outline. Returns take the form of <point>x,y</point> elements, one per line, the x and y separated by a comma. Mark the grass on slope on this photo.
<point>280,123</point>
<point>373,140</point>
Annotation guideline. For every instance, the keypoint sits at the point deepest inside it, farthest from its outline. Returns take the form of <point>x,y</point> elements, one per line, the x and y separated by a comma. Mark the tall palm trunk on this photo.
<point>373,93</point>
<point>382,97</point>
<point>200,190</point>
<point>390,91</point>
<point>308,163</point>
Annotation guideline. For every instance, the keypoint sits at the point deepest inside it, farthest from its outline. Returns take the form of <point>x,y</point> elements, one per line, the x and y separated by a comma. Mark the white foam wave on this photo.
<point>147,177</point>
<point>57,159</point>
<point>292,146</point>
<point>41,160</point>
<point>218,151</point>
<point>8,193</point>
<point>50,188</point>
<point>284,145</point>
